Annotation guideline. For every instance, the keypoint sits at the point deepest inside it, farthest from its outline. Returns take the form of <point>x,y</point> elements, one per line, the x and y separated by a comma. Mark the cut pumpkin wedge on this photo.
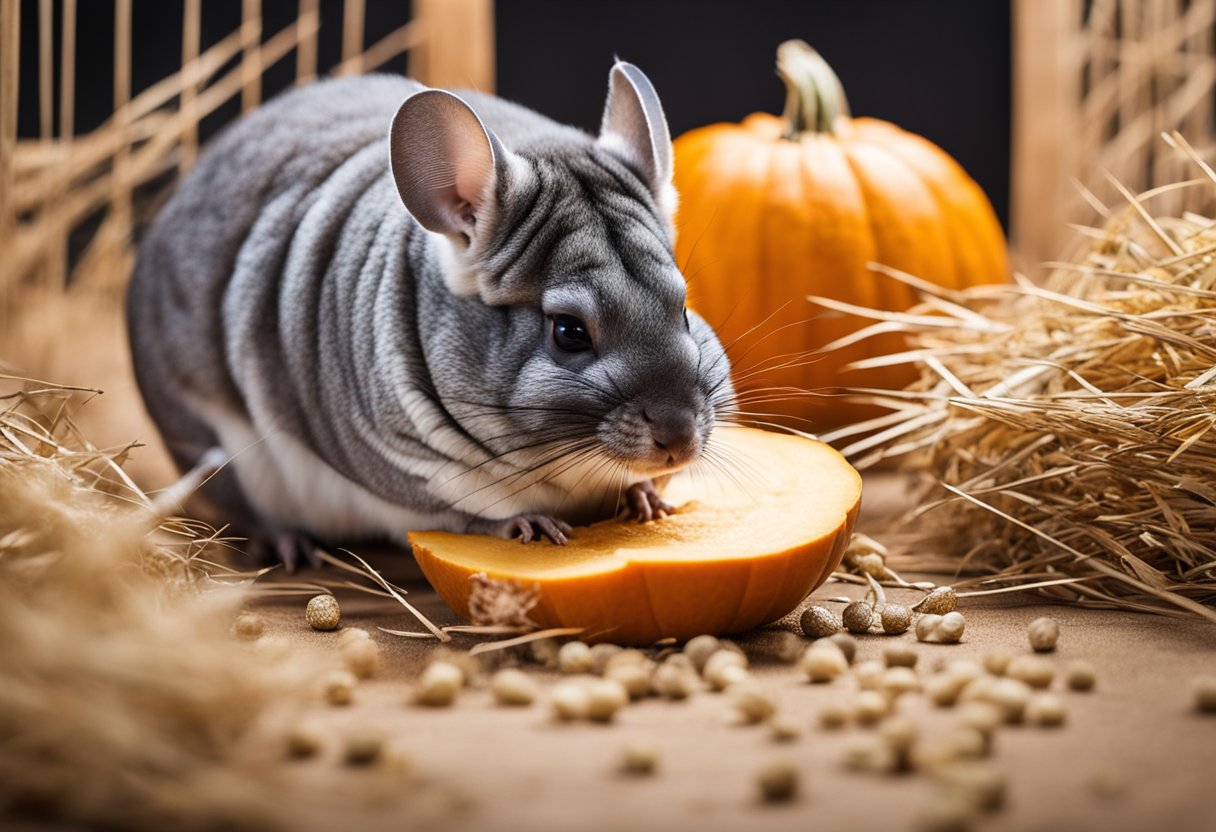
<point>752,536</point>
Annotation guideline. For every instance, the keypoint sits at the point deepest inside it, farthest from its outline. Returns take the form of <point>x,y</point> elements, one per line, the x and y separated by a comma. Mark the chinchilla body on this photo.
<point>371,369</point>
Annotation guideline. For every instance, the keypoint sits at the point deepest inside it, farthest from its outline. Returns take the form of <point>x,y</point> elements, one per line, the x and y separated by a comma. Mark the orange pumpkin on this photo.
<point>774,210</point>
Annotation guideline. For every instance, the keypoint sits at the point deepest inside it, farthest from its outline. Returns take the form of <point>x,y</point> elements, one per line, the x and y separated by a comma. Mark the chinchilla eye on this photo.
<point>570,334</point>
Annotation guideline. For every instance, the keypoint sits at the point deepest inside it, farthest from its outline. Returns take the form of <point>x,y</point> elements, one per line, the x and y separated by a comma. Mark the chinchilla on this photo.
<point>448,313</point>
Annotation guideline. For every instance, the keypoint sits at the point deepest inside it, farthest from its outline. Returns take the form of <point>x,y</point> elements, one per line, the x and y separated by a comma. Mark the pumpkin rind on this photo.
<point>742,552</point>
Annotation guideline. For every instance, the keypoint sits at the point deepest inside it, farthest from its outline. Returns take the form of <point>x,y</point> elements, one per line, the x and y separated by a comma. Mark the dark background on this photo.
<point>940,68</point>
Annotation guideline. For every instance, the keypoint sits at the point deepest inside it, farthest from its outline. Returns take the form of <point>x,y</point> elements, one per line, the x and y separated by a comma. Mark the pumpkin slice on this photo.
<point>750,540</point>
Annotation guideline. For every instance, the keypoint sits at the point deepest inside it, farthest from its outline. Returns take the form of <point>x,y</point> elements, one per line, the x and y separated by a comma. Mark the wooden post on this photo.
<point>457,48</point>
<point>10,66</point>
<point>308,18</point>
<point>1046,95</point>
<point>251,57</point>
<point>191,36</point>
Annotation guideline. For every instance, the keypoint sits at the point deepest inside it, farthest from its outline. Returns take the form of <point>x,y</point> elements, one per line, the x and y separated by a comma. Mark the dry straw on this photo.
<point>124,699</point>
<point>1065,432</point>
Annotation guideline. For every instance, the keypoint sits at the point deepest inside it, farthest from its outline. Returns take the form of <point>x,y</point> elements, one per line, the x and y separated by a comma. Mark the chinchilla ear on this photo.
<point>446,163</point>
<point>635,129</point>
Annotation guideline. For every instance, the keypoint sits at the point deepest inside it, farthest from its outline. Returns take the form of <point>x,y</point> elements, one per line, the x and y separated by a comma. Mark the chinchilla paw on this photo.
<point>643,503</point>
<point>527,527</point>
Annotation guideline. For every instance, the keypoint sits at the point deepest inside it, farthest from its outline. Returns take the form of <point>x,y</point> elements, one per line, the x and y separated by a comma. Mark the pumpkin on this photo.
<point>774,210</point>
<point>743,549</point>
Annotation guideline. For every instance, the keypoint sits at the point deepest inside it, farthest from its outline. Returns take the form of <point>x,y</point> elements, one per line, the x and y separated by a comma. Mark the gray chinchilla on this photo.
<point>506,353</point>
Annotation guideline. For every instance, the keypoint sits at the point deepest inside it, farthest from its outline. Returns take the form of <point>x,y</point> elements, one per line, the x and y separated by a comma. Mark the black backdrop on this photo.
<point>940,68</point>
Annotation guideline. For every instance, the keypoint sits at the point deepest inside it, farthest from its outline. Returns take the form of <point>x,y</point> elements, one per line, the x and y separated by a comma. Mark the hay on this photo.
<point>124,700</point>
<point>1067,430</point>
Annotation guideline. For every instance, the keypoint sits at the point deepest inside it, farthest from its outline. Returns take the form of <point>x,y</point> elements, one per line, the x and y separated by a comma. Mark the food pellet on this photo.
<point>574,657</point>
<point>438,685</point>
<point>1043,634</point>
<point>785,647</point>
<point>639,759</point>
<point>833,717</point>
<point>349,634</point>
<point>938,602</point>
<point>725,667</point>
<point>868,675</point>
<point>900,655</point>
<point>600,654</point>
<point>823,662</point>
<point>513,687</point>
<point>752,703</point>
<point>305,740</point>
<point>633,676</point>
<point>249,626</point>
<point>338,687</point>
<point>323,613</point>
<point>782,728</point>
<point>975,781</point>
<point>1205,694</point>
<point>996,662</point>
<point>570,701</point>
<point>672,681</point>
<point>363,746</point>
<point>778,781</point>
<point>897,681</point>
<point>895,619</point>
<point>941,629</point>
<point>819,622</point>
<point>361,657</point>
<point>869,754</point>
<point>1045,710</point>
<point>857,617</point>
<point>944,814</point>
<point>898,732</point>
<point>604,698</point>
<point>1033,670</point>
<point>700,648</point>
<point>847,645</point>
<point>1081,676</point>
<point>871,706</point>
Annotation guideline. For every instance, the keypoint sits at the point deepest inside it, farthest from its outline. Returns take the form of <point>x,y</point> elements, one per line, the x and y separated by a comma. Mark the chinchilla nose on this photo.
<point>674,430</point>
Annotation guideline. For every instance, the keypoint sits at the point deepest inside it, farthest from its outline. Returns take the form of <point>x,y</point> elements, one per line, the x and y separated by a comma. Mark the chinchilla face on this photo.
<point>559,258</point>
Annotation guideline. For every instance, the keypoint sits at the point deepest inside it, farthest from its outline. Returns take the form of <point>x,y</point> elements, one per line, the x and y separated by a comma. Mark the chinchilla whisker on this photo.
<point>580,455</point>
<point>739,471</point>
<point>775,363</point>
<point>769,334</point>
<point>563,445</point>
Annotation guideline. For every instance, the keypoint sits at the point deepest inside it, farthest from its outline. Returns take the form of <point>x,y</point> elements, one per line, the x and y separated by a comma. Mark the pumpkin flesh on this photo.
<point>745,547</point>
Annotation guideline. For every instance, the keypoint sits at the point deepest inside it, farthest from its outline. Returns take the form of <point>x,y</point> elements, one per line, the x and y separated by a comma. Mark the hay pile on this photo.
<point>124,699</point>
<point>1066,433</point>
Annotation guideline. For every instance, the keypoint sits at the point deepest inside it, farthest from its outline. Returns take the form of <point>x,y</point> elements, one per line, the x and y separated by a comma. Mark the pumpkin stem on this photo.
<point>814,98</point>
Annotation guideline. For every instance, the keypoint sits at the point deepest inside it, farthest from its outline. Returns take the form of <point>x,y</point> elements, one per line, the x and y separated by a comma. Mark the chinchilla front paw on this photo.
<point>643,503</point>
<point>527,527</point>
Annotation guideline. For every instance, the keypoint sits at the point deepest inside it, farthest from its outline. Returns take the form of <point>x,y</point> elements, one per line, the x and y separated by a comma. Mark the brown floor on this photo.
<point>489,768</point>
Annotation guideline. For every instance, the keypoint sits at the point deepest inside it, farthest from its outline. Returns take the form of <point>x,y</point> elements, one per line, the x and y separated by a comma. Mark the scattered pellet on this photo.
<point>1043,634</point>
<point>1045,710</point>
<point>249,626</point>
<point>438,685</point>
<point>639,759</point>
<point>349,634</point>
<point>899,733</point>
<point>847,645</point>
<point>871,755</point>
<point>751,702</point>
<point>945,813</point>
<point>544,652</point>
<point>1081,676</point>
<point>783,728</point>
<point>634,677</point>
<point>819,622</point>
<point>724,668</point>
<point>977,782</point>
<point>997,661</point>
<point>700,648</point>
<point>833,717</point>
<point>870,706</point>
<point>896,619</point>
<point>785,647</point>
<point>858,617</point>
<point>1205,694</point>
<point>605,698</point>
<point>778,781</point>
<point>570,701</point>
<point>938,602</point>
<point>363,745</point>
<point>823,662</point>
<point>896,681</point>
<point>305,740</point>
<point>600,654</point>
<point>868,675</point>
<point>900,655</point>
<point>1009,695</point>
<point>338,687</point>
<point>1033,670</point>
<point>574,657</point>
<point>672,680</point>
<point>323,613</point>
<point>941,629</point>
<point>513,687</point>
<point>361,657</point>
